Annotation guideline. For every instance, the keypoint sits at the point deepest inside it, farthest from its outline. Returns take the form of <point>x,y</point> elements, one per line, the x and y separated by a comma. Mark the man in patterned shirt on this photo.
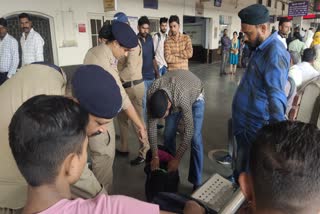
<point>31,41</point>
<point>260,98</point>
<point>178,95</point>
<point>9,53</point>
<point>178,47</point>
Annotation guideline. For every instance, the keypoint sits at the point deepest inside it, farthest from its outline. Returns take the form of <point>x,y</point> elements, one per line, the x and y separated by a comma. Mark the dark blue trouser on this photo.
<point>244,141</point>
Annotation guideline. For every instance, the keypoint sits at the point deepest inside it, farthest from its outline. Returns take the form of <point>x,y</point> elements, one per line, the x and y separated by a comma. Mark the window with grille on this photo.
<point>154,25</point>
<point>275,4</point>
<point>269,3</point>
<point>283,7</point>
<point>260,1</point>
<point>96,25</point>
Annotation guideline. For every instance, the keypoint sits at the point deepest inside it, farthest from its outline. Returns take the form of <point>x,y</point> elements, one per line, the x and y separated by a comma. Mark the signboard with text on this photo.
<point>299,8</point>
<point>110,5</point>
<point>151,4</point>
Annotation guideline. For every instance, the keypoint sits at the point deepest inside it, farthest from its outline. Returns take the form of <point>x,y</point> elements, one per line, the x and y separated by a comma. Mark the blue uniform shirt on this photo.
<point>260,98</point>
<point>148,56</point>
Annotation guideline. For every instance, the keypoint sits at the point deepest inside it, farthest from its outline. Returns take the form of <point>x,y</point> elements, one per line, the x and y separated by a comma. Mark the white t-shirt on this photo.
<point>283,40</point>
<point>302,72</point>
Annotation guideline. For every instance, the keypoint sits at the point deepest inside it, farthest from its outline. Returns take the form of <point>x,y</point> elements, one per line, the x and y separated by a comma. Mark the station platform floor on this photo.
<point>130,180</point>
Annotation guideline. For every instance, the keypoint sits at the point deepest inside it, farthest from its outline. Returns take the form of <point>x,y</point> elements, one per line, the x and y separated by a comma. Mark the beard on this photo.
<point>144,35</point>
<point>163,31</point>
<point>254,44</point>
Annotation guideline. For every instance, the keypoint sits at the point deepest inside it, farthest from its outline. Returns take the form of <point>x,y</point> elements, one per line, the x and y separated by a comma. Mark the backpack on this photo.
<point>160,180</point>
<point>306,103</point>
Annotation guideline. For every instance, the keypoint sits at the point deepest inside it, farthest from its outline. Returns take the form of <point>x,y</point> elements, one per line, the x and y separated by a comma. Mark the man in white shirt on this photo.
<point>284,29</point>
<point>158,44</point>
<point>309,37</point>
<point>9,53</point>
<point>31,41</point>
<point>304,71</point>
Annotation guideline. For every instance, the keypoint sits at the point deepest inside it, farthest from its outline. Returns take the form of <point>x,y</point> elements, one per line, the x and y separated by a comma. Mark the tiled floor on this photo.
<point>219,91</point>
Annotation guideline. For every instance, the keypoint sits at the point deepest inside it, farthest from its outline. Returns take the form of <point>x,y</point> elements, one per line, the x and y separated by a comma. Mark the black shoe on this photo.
<point>137,161</point>
<point>120,153</point>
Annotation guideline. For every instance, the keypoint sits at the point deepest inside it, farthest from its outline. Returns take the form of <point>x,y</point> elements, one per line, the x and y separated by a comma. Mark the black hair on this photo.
<point>235,32</point>
<point>284,164</point>
<point>297,35</point>
<point>143,20</point>
<point>3,22</point>
<point>106,33</point>
<point>308,55</point>
<point>24,15</point>
<point>158,104</point>
<point>163,20</point>
<point>43,132</point>
<point>174,18</point>
<point>283,20</point>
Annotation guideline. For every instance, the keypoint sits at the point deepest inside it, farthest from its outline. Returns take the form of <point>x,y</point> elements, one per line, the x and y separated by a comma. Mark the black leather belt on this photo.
<point>132,83</point>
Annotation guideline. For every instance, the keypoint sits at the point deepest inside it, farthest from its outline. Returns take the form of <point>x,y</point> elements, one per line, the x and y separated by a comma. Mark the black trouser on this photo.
<point>3,77</point>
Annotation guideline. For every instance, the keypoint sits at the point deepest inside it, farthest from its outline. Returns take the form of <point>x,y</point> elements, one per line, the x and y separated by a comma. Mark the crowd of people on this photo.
<point>47,132</point>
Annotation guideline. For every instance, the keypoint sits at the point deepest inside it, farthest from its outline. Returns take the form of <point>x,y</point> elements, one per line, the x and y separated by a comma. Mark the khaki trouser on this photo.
<point>135,94</point>
<point>102,151</point>
<point>10,211</point>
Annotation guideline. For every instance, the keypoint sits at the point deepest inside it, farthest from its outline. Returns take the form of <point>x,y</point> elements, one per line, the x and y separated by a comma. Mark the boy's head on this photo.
<point>284,169</point>
<point>47,136</point>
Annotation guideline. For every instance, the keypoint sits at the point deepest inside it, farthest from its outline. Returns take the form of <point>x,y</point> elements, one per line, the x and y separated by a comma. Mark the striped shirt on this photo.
<point>183,89</point>
<point>9,55</point>
<point>32,47</point>
<point>177,50</point>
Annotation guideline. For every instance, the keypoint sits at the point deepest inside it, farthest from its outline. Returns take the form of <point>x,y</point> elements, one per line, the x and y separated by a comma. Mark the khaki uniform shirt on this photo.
<point>30,81</point>
<point>130,68</point>
<point>102,55</point>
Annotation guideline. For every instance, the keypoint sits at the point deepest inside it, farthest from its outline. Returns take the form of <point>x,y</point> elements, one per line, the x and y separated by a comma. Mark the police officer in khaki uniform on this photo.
<point>31,80</point>
<point>119,39</point>
<point>130,72</point>
<point>36,79</point>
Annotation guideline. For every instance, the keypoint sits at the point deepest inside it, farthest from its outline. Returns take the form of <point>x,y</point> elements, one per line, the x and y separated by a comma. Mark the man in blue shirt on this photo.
<point>149,64</point>
<point>260,98</point>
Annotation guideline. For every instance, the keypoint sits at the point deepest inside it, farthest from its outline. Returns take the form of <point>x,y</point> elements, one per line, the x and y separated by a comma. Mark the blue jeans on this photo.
<point>196,160</point>
<point>162,70</point>
<point>147,85</point>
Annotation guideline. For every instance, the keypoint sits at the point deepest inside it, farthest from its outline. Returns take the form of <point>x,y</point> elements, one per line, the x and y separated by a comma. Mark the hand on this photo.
<point>142,134</point>
<point>173,165</point>
<point>157,75</point>
<point>155,164</point>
